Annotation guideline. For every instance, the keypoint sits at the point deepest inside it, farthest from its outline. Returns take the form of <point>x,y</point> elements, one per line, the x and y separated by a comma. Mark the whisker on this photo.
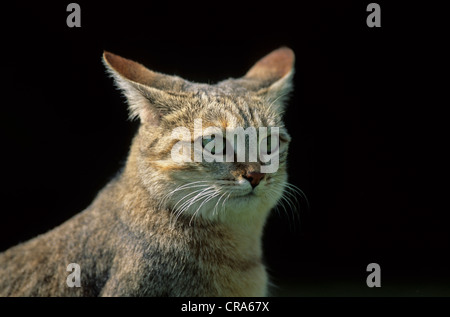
<point>208,198</point>
<point>187,195</point>
<point>186,205</point>
<point>280,202</point>
<point>298,191</point>
<point>229,194</point>
<point>215,211</point>
<point>224,202</point>
<point>288,198</point>
<point>185,186</point>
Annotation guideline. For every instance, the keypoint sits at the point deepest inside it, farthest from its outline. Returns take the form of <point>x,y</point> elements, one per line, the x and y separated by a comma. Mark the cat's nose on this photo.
<point>254,178</point>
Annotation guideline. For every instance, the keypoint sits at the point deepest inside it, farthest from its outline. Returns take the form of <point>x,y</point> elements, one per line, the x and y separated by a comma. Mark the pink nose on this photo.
<point>254,178</point>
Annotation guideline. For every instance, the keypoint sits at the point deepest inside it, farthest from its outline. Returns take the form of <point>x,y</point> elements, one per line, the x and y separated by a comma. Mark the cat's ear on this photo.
<point>272,75</point>
<point>144,89</point>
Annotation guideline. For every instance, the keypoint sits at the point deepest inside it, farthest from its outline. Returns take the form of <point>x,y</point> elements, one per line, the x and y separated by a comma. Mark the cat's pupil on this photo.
<point>213,150</point>
<point>268,145</point>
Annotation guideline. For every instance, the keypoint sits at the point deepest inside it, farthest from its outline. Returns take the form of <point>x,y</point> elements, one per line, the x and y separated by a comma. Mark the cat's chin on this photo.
<point>250,199</point>
<point>243,193</point>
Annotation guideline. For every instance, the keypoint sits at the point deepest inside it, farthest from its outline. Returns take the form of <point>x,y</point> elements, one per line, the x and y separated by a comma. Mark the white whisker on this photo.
<point>202,195</point>
<point>208,198</point>
<point>181,187</point>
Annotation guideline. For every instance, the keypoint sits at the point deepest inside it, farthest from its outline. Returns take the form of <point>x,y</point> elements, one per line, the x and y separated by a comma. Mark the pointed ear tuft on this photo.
<point>273,66</point>
<point>143,88</point>
<point>271,77</point>
<point>139,74</point>
<point>130,70</point>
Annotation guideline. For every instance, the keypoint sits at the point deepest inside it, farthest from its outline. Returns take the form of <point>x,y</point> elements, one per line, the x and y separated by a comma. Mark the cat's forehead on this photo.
<point>222,106</point>
<point>235,110</point>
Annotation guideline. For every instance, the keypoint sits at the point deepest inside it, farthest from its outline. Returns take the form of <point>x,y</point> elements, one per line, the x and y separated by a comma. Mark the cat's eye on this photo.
<point>269,146</point>
<point>214,145</point>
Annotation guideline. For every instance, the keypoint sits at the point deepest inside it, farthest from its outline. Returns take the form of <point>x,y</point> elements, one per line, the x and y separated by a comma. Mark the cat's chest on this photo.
<point>180,270</point>
<point>206,279</point>
<point>199,260</point>
<point>226,273</point>
<point>242,283</point>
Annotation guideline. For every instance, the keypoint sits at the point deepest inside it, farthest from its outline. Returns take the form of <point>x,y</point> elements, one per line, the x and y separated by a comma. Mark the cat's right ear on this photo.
<point>272,75</point>
<point>143,88</point>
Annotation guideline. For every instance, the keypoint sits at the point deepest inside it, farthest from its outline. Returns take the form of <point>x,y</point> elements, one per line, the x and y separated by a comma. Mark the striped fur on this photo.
<point>165,228</point>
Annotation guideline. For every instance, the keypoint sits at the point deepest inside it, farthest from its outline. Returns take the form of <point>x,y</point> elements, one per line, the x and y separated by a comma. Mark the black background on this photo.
<point>364,117</point>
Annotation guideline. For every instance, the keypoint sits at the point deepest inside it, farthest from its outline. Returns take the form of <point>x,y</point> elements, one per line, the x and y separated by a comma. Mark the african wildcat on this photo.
<point>166,228</point>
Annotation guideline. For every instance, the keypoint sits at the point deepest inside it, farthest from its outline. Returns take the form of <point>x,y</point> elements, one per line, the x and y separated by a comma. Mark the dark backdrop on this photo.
<point>362,118</point>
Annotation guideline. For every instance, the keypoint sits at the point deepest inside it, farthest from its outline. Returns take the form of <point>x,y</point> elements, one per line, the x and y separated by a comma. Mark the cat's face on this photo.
<point>231,184</point>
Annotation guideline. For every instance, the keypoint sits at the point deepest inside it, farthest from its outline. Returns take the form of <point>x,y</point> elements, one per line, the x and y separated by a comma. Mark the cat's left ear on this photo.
<point>145,90</point>
<point>272,75</point>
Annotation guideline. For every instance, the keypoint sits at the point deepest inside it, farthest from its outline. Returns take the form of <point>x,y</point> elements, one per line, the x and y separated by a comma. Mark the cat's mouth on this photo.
<point>243,193</point>
<point>243,189</point>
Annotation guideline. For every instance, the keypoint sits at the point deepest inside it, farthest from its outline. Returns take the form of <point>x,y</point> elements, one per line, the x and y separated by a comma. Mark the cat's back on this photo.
<point>32,268</point>
<point>38,267</point>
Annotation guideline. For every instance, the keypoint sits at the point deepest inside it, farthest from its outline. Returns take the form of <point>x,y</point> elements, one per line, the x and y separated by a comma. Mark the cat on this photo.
<point>166,228</point>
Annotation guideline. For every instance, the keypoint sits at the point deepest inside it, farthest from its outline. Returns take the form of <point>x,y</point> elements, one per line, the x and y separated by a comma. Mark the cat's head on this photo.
<point>175,117</point>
